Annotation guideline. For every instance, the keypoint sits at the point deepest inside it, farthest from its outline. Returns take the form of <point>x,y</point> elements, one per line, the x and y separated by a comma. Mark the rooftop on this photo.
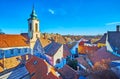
<point>52,48</point>
<point>7,40</point>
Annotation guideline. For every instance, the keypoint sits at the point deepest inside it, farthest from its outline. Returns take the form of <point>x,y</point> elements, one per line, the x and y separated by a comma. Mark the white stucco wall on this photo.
<point>58,55</point>
<point>109,48</point>
<point>15,51</point>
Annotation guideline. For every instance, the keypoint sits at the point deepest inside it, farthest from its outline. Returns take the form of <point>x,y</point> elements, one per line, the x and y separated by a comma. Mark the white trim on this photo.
<point>14,47</point>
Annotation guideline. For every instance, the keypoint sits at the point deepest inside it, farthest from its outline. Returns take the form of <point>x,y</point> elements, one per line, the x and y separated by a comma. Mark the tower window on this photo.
<point>30,26</point>
<point>36,27</point>
<point>36,35</point>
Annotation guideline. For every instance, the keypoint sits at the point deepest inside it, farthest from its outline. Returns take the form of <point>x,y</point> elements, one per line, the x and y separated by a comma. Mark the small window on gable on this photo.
<point>58,61</point>
<point>35,62</point>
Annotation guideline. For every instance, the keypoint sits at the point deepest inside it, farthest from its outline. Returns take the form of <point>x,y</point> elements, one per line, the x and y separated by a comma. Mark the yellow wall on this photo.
<point>10,62</point>
<point>101,45</point>
<point>58,55</point>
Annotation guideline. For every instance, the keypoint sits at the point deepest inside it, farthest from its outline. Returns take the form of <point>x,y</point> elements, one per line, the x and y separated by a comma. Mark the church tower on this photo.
<point>33,28</point>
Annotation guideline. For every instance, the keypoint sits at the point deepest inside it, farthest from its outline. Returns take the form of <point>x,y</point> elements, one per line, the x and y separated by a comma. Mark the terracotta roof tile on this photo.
<point>12,41</point>
<point>82,61</point>
<point>103,54</point>
<point>40,69</point>
<point>68,73</point>
<point>66,51</point>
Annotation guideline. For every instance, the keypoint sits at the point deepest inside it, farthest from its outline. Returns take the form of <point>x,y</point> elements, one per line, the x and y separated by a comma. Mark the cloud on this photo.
<point>112,23</point>
<point>51,11</point>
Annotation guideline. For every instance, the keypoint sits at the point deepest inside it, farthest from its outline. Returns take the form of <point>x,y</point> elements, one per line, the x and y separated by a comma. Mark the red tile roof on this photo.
<point>40,69</point>
<point>66,51</point>
<point>82,61</point>
<point>103,54</point>
<point>68,73</point>
<point>12,41</point>
<point>81,42</point>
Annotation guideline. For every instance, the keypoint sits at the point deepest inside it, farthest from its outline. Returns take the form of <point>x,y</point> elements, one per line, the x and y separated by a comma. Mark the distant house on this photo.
<point>102,54</point>
<point>40,69</point>
<point>85,47</point>
<point>113,41</point>
<point>102,41</point>
<point>54,51</point>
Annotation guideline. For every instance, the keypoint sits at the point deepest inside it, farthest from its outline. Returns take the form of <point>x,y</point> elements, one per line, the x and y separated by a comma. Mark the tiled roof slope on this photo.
<point>103,54</point>
<point>114,40</point>
<point>66,51</point>
<point>82,61</point>
<point>68,73</point>
<point>52,48</point>
<point>12,41</point>
<point>39,69</point>
<point>102,40</point>
<point>44,42</point>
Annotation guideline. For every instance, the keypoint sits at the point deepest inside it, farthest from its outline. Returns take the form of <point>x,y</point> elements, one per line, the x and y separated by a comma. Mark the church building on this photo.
<point>17,47</point>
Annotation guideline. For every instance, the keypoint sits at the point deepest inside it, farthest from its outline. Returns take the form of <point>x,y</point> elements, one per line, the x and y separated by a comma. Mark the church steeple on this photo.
<point>33,28</point>
<point>33,14</point>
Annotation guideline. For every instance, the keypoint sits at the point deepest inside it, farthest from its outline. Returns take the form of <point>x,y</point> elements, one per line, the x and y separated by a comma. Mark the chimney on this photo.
<point>118,28</point>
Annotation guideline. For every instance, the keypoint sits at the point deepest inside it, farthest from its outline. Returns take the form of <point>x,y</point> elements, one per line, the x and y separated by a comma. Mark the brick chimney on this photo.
<point>118,28</point>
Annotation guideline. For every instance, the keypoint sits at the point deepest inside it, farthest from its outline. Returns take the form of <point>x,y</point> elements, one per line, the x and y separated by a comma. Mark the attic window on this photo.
<point>35,62</point>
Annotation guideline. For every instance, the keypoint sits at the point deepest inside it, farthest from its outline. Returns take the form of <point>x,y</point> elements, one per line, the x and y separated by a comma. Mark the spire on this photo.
<point>33,14</point>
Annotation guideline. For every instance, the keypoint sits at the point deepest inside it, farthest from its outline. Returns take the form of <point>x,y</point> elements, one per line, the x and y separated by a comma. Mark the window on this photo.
<point>25,50</point>
<point>2,52</point>
<point>30,26</point>
<point>11,51</point>
<point>36,35</point>
<point>35,62</point>
<point>36,27</point>
<point>58,61</point>
<point>18,50</point>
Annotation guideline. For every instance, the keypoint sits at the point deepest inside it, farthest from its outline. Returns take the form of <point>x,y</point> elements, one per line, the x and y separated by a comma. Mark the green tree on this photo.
<point>73,63</point>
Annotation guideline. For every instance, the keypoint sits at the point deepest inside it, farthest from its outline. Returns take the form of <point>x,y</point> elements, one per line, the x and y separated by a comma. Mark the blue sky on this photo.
<point>78,17</point>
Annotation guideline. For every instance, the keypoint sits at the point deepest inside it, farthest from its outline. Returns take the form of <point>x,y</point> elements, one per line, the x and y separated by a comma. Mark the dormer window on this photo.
<point>35,62</point>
